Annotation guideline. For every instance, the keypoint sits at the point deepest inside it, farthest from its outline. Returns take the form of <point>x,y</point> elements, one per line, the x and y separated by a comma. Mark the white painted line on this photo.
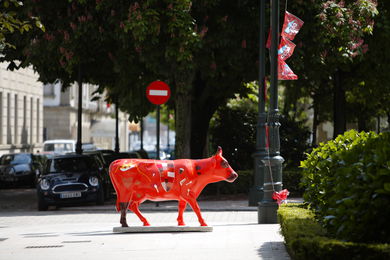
<point>154,92</point>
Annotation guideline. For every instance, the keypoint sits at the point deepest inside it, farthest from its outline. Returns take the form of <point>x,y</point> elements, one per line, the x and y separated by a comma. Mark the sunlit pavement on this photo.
<point>88,234</point>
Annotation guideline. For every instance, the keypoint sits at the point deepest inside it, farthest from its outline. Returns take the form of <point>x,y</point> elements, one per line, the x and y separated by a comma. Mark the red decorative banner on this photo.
<point>284,71</point>
<point>268,43</point>
<point>286,49</point>
<point>291,26</point>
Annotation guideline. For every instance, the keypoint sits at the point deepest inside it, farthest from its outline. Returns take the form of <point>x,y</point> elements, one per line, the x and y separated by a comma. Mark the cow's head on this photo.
<point>222,170</point>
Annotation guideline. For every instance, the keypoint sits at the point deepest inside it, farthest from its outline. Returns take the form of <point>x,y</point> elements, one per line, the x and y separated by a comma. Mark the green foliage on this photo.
<point>292,181</point>
<point>11,20</point>
<point>347,183</point>
<point>306,239</point>
<point>294,141</point>
<point>234,129</point>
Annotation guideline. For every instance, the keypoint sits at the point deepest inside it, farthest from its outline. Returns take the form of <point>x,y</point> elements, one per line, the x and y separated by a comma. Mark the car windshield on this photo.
<point>58,147</point>
<point>15,159</point>
<point>71,164</point>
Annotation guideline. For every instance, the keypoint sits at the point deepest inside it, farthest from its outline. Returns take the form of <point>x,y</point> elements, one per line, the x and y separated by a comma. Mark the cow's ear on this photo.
<point>219,151</point>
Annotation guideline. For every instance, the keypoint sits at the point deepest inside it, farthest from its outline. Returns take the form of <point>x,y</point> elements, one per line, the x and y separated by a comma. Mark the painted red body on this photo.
<point>137,180</point>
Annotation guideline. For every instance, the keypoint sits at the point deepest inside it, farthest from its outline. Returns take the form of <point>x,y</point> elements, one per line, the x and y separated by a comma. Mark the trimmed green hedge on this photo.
<point>306,239</point>
<point>347,183</point>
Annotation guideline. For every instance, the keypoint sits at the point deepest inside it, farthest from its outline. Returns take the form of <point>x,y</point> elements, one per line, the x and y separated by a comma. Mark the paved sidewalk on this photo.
<point>205,205</point>
<point>87,233</point>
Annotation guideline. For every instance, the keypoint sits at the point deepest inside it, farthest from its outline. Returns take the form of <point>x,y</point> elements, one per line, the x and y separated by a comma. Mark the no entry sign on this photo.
<point>158,92</point>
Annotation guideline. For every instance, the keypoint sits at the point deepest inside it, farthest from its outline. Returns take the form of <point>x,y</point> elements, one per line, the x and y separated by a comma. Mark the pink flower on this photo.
<point>73,26</point>
<point>364,48</point>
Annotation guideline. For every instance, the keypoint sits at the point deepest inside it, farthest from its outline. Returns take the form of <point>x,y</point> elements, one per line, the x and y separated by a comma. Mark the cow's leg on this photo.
<point>123,208</point>
<point>182,207</point>
<point>135,209</point>
<point>194,205</point>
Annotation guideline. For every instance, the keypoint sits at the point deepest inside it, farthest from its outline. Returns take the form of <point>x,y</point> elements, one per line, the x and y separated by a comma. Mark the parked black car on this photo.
<point>20,168</point>
<point>72,179</point>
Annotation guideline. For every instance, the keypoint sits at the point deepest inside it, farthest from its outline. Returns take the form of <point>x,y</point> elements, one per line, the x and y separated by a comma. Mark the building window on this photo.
<point>24,133</point>
<point>37,120</point>
<point>48,90</point>
<point>9,133</point>
<point>31,120</point>
<point>1,117</point>
<point>16,119</point>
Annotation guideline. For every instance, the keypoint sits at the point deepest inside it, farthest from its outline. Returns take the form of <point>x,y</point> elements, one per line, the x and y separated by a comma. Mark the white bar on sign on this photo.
<point>154,92</point>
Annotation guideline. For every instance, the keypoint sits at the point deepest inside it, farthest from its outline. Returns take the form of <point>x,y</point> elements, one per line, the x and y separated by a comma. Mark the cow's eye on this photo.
<point>224,164</point>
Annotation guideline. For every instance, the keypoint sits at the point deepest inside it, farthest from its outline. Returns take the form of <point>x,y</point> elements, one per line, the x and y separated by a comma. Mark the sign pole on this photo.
<point>158,133</point>
<point>158,93</point>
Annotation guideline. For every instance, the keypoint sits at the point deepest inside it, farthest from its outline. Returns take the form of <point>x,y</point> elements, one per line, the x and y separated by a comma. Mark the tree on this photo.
<point>329,46</point>
<point>371,88</point>
<point>11,21</point>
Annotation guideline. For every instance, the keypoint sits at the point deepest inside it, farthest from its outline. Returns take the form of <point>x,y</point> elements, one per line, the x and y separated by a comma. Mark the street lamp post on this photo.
<point>79,149</point>
<point>267,210</point>
<point>116,127</point>
<point>256,192</point>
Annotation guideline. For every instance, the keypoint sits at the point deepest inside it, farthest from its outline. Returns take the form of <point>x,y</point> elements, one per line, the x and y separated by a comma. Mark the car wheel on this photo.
<point>42,205</point>
<point>100,197</point>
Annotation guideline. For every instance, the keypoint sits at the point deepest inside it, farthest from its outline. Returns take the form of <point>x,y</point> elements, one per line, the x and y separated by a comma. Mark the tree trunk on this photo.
<point>362,122</point>
<point>182,120</point>
<point>203,107</point>
<point>339,105</point>
<point>201,116</point>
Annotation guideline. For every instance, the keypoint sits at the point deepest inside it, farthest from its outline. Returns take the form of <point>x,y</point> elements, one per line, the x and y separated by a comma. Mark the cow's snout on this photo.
<point>233,176</point>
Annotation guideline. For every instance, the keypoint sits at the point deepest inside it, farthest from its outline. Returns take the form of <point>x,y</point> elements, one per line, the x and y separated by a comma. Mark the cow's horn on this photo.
<point>219,150</point>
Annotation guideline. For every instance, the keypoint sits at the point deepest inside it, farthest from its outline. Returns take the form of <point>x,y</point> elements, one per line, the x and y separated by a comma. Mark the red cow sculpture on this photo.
<point>137,180</point>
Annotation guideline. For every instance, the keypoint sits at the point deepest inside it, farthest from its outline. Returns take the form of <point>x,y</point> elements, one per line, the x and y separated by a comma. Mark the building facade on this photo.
<point>98,118</point>
<point>21,110</point>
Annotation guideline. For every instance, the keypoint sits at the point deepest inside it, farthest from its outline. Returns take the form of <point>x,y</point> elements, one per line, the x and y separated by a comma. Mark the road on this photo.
<point>87,233</point>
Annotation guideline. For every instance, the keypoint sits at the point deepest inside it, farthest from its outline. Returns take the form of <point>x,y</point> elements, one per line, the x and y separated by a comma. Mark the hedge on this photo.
<point>347,183</point>
<point>306,239</point>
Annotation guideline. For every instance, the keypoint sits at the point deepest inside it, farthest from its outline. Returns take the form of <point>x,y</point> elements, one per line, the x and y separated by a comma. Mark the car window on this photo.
<point>15,159</point>
<point>72,164</point>
<point>58,147</point>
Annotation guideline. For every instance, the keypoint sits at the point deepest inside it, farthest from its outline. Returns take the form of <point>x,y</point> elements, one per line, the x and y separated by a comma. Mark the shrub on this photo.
<point>292,181</point>
<point>347,183</point>
<point>234,128</point>
<point>306,239</point>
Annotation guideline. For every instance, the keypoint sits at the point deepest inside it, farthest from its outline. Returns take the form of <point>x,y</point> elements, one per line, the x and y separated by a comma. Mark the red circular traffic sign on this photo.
<point>158,92</point>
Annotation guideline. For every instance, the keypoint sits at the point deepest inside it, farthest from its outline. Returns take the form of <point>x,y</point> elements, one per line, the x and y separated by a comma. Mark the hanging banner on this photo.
<point>284,71</point>
<point>286,49</point>
<point>291,26</point>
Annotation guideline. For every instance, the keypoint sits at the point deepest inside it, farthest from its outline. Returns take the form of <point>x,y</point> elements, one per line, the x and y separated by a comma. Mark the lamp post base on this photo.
<point>255,195</point>
<point>267,213</point>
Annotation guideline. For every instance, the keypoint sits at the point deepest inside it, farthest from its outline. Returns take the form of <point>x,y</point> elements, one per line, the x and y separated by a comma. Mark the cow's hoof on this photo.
<point>203,224</point>
<point>146,224</point>
<point>181,224</point>
<point>125,225</point>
